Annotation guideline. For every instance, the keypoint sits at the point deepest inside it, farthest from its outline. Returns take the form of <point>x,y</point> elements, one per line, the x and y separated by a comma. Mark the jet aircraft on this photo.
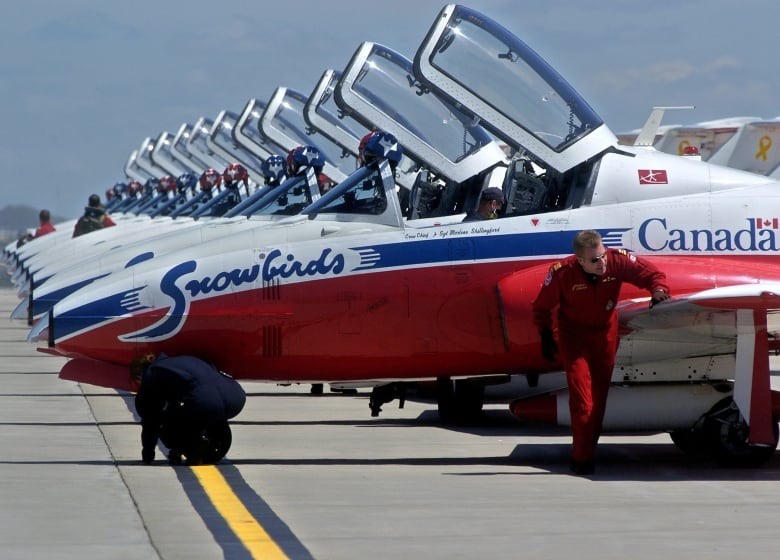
<point>747,143</point>
<point>376,296</point>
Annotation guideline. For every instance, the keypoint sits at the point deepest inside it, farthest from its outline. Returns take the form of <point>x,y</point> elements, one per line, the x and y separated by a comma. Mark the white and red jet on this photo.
<point>436,298</point>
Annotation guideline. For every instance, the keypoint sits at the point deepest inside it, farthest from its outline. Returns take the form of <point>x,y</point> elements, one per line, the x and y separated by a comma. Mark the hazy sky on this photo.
<point>83,82</point>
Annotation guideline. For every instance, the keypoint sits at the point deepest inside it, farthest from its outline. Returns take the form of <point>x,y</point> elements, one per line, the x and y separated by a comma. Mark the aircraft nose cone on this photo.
<point>40,331</point>
<point>24,290</point>
<point>19,275</point>
<point>20,312</point>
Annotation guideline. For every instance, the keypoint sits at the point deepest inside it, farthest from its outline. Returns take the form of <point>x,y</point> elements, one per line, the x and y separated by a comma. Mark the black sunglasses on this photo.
<point>602,256</point>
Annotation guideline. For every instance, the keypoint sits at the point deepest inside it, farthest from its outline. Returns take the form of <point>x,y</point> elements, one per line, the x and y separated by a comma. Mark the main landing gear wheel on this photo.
<point>690,442</point>
<point>722,434</point>
<point>460,402</point>
<point>726,434</point>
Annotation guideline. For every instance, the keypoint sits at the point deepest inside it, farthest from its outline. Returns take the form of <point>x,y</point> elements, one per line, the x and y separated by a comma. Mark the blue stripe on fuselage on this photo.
<point>42,304</point>
<point>460,245</point>
<point>457,245</point>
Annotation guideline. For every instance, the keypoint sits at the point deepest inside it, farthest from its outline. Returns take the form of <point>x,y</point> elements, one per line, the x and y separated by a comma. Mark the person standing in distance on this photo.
<point>584,288</point>
<point>95,217</point>
<point>44,217</point>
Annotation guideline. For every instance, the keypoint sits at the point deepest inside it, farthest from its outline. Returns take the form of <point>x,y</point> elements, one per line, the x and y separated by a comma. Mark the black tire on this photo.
<point>460,402</point>
<point>726,433</point>
<point>690,442</point>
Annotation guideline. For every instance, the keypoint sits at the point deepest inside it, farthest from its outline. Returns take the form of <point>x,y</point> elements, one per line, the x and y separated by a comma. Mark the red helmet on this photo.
<point>134,187</point>
<point>325,183</point>
<point>290,164</point>
<point>110,193</point>
<point>210,179</point>
<point>362,146</point>
<point>235,172</point>
<point>167,184</point>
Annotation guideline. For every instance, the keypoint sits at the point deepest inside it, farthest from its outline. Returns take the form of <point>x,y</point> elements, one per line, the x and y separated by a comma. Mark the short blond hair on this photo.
<point>586,239</point>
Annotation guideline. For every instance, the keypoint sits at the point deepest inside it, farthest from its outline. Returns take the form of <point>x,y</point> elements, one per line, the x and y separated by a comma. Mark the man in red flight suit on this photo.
<point>585,288</point>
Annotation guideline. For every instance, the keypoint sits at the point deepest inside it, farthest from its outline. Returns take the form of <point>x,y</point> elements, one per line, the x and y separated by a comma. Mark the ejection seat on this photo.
<point>524,191</point>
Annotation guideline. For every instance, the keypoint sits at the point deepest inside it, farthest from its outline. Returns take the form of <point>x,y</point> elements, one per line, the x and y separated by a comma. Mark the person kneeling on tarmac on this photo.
<point>186,403</point>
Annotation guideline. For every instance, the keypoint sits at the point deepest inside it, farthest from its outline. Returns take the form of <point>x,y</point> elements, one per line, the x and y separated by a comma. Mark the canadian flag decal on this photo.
<point>652,177</point>
<point>767,223</point>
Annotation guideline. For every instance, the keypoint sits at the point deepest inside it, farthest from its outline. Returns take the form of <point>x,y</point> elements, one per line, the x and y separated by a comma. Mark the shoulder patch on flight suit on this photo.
<point>625,253</point>
<point>553,268</point>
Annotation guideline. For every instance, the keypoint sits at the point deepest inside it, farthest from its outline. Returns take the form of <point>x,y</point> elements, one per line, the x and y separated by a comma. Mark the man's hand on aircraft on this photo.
<point>549,346</point>
<point>658,297</point>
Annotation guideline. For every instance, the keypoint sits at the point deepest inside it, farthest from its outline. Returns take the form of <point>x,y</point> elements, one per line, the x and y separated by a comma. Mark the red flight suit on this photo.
<point>587,333</point>
<point>44,228</point>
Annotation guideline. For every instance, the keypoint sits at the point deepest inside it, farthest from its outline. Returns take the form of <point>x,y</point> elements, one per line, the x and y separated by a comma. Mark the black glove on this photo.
<point>147,455</point>
<point>549,347</point>
<point>658,297</point>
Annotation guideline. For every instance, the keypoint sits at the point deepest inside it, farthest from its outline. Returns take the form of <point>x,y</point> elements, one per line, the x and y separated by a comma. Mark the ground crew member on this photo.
<point>94,217</point>
<point>584,288</point>
<point>44,218</point>
<point>186,403</point>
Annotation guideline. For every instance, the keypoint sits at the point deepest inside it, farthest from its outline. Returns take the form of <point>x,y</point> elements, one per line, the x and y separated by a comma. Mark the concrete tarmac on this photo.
<point>318,477</point>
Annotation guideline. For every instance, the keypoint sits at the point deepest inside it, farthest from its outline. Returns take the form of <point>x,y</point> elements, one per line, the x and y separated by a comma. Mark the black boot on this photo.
<point>582,467</point>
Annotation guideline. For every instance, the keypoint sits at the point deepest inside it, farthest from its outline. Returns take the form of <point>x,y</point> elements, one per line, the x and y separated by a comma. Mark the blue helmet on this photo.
<point>151,185</point>
<point>382,145</point>
<point>274,168</point>
<point>187,181</point>
<point>120,189</point>
<point>304,156</point>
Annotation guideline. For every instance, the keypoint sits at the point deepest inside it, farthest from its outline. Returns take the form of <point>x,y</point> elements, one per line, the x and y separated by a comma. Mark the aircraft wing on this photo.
<point>708,332</point>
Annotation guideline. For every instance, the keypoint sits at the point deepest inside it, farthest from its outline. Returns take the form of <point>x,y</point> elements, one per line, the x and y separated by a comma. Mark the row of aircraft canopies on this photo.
<point>748,143</point>
<point>376,91</point>
<point>176,181</point>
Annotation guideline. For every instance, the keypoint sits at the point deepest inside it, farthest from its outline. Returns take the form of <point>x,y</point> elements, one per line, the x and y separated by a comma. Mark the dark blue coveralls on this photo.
<point>186,403</point>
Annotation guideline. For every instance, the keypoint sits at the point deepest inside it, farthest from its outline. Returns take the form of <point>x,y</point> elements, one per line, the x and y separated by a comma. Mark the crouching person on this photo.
<point>186,403</point>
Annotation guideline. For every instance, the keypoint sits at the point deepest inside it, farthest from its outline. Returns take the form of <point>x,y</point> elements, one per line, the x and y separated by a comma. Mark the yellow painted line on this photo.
<point>238,518</point>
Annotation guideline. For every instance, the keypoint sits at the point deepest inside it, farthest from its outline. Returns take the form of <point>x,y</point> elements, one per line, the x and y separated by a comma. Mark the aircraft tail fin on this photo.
<point>756,149</point>
<point>647,135</point>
